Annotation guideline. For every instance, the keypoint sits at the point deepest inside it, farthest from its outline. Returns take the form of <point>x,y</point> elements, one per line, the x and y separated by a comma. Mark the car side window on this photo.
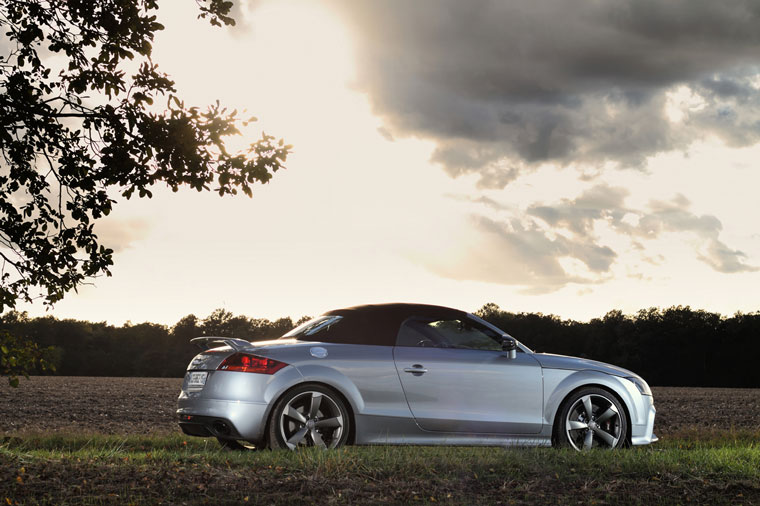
<point>415,333</point>
<point>454,333</point>
<point>466,335</point>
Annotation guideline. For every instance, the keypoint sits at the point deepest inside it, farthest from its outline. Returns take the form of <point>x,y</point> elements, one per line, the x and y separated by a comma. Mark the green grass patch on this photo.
<point>711,438</point>
<point>95,469</point>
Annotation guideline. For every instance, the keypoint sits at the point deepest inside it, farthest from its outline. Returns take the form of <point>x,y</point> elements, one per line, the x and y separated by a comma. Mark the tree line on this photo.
<point>677,346</point>
<point>83,348</point>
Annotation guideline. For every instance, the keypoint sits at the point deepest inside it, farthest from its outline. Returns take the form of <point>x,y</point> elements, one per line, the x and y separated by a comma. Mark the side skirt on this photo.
<point>378,430</point>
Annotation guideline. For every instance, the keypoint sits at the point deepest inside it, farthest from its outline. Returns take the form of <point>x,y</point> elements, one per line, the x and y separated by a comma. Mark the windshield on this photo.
<point>313,326</point>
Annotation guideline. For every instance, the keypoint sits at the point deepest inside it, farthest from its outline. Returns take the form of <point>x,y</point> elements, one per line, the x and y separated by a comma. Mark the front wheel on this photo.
<point>591,418</point>
<point>310,415</point>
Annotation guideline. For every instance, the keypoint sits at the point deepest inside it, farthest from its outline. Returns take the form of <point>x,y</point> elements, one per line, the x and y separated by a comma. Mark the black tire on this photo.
<point>606,426</point>
<point>309,415</point>
<point>235,445</point>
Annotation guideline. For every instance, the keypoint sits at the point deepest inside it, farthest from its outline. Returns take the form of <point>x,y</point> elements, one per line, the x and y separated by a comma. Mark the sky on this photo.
<point>562,157</point>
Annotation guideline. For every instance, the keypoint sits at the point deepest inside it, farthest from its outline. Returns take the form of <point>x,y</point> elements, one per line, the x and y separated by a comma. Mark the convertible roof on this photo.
<point>378,324</point>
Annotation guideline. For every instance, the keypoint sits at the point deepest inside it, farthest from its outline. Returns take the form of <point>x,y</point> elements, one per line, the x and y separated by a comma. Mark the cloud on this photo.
<point>549,245</point>
<point>120,234</point>
<point>505,86</point>
<point>578,215</point>
<point>482,199</point>
<point>724,259</point>
<point>606,203</point>
<point>675,217</point>
<point>513,253</point>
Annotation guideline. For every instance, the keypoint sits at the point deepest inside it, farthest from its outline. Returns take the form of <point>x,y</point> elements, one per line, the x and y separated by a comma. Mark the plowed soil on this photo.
<point>82,404</point>
<point>147,405</point>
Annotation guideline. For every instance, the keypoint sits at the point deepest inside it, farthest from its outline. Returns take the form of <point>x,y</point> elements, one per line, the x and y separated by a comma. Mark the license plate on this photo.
<point>197,379</point>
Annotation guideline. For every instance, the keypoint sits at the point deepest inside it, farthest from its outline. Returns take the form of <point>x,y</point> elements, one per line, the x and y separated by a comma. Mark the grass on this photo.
<point>715,468</point>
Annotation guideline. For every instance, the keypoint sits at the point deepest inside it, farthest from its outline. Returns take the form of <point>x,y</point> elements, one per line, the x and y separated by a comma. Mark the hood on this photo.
<point>549,361</point>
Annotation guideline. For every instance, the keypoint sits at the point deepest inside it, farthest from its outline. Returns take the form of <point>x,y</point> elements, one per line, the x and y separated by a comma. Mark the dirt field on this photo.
<point>81,404</point>
<point>147,405</point>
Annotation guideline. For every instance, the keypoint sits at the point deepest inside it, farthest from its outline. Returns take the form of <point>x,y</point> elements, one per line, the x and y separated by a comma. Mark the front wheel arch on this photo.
<point>561,406</point>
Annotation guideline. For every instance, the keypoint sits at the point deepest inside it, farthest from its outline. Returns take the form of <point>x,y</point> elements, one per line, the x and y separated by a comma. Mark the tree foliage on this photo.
<point>82,348</point>
<point>20,357</point>
<point>87,116</point>
<point>677,346</point>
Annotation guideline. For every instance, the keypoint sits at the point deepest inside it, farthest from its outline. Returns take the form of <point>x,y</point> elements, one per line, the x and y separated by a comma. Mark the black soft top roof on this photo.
<point>378,324</point>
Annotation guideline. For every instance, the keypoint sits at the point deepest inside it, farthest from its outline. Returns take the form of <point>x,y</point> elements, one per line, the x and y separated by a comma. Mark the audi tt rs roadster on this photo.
<point>407,374</point>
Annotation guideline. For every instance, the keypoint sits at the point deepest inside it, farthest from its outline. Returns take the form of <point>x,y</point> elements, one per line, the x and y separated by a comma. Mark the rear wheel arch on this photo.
<point>337,392</point>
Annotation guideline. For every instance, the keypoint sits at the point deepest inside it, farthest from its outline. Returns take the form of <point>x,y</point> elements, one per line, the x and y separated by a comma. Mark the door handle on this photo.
<point>416,369</point>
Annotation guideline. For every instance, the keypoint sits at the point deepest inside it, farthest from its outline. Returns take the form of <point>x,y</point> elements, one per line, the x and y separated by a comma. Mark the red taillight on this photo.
<point>243,362</point>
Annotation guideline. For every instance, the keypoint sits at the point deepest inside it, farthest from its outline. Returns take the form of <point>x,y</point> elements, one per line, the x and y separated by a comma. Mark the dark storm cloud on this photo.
<point>503,86</point>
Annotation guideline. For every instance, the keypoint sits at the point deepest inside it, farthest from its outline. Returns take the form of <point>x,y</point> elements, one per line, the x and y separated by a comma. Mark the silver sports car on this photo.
<point>407,374</point>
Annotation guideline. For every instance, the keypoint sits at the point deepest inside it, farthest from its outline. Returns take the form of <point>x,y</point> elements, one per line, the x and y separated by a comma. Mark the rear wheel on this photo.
<point>591,418</point>
<point>310,415</point>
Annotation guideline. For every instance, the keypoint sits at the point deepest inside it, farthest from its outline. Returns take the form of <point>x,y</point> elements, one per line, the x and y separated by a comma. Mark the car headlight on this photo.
<point>640,384</point>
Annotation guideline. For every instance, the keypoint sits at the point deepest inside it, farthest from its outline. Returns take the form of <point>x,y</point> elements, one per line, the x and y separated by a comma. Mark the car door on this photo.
<point>456,378</point>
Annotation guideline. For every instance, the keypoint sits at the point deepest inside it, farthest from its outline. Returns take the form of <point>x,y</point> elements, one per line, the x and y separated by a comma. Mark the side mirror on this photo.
<point>509,345</point>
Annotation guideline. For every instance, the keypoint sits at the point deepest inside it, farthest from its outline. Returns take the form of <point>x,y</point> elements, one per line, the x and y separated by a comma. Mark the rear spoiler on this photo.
<point>205,343</point>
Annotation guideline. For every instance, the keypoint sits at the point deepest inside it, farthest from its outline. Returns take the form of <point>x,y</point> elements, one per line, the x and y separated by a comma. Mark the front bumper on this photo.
<point>644,434</point>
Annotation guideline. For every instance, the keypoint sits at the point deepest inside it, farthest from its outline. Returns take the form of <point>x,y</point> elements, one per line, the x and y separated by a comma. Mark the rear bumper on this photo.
<point>221,418</point>
<point>238,400</point>
<point>205,426</point>
<point>644,434</point>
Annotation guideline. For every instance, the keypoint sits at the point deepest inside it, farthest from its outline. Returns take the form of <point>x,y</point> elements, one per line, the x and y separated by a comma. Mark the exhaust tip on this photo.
<point>221,428</point>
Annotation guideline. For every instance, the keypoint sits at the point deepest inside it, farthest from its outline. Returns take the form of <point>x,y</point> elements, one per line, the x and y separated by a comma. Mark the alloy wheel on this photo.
<point>594,421</point>
<point>311,418</point>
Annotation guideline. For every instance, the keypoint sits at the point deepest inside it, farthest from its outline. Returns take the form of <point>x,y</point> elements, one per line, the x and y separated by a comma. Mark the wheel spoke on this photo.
<point>329,422</point>
<point>297,438</point>
<point>588,407</point>
<point>316,401</point>
<point>588,440</point>
<point>606,437</point>
<point>577,425</point>
<point>295,415</point>
<point>611,411</point>
<point>317,438</point>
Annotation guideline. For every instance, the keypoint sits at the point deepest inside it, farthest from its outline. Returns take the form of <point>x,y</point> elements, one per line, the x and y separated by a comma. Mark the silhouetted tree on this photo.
<point>186,328</point>
<point>675,346</point>
<point>217,323</point>
<point>79,95</point>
